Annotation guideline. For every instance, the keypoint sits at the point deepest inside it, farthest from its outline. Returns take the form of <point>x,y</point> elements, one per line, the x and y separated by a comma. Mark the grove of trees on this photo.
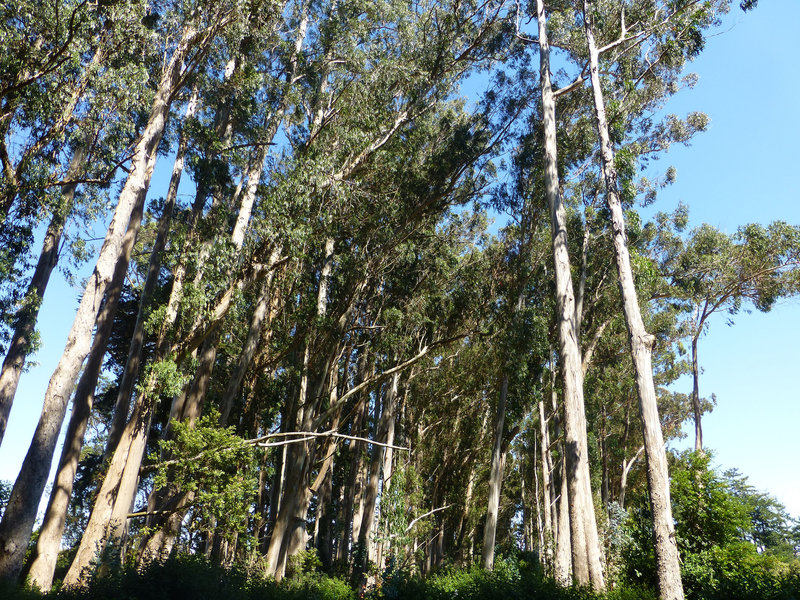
<point>365,321</point>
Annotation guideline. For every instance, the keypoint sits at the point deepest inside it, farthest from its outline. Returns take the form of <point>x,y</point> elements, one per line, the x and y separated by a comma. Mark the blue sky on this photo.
<point>742,170</point>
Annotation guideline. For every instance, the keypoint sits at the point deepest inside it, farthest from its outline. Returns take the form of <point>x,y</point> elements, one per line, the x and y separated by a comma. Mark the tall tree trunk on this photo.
<point>495,479</point>
<point>17,523</point>
<point>586,565</point>
<point>464,519</point>
<point>563,566</point>
<point>133,362</point>
<point>122,474</point>
<point>376,462</point>
<point>25,321</point>
<point>698,413</point>
<point>289,534</point>
<point>547,502</point>
<point>262,314</point>
<point>641,343</point>
<point>49,542</point>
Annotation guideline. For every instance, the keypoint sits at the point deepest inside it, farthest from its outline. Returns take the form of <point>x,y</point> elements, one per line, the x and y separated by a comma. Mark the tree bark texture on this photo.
<point>21,512</point>
<point>19,345</point>
<point>49,542</point>
<point>586,565</point>
<point>133,362</point>
<point>641,344</point>
<point>495,479</point>
<point>134,437</point>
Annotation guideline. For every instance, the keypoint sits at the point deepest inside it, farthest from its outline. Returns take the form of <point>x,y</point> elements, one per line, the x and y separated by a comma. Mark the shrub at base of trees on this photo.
<point>734,572</point>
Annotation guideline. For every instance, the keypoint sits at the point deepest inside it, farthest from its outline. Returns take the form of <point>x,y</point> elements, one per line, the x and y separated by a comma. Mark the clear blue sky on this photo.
<point>742,170</point>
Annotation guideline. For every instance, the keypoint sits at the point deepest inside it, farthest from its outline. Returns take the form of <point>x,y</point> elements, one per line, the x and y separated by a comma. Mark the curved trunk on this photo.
<point>134,437</point>
<point>15,529</point>
<point>18,347</point>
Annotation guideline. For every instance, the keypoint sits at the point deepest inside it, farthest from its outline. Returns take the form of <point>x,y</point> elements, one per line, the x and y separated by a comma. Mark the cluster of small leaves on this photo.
<point>216,466</point>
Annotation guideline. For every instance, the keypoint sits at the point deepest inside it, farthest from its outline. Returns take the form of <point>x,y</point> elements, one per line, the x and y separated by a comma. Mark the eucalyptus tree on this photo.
<point>195,36</point>
<point>712,272</point>
<point>675,36</point>
<point>76,138</point>
<point>586,566</point>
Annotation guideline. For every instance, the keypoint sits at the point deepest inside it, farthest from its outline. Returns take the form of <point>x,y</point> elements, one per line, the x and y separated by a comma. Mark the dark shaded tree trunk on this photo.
<point>25,324</point>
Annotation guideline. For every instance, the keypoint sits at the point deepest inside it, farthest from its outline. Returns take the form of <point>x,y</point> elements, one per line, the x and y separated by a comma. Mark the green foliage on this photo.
<point>194,578</point>
<point>514,577</point>
<point>715,523</point>
<point>216,466</point>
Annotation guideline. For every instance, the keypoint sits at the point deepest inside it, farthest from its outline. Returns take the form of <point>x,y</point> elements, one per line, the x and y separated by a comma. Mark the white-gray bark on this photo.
<point>100,527</point>
<point>18,347</point>
<point>49,541</point>
<point>586,565</point>
<point>641,344</point>
<point>495,480</point>
<point>21,511</point>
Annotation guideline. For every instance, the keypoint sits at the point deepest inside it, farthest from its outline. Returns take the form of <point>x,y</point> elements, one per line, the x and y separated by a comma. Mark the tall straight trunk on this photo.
<point>49,542</point>
<point>563,566</point>
<point>262,314</point>
<point>586,565</point>
<point>167,505</point>
<point>376,462</point>
<point>698,413</point>
<point>323,485</point>
<point>25,324</point>
<point>641,343</point>
<point>464,519</point>
<point>351,530</point>
<point>547,461</point>
<point>18,519</point>
<point>134,360</point>
<point>386,481</point>
<point>495,479</point>
<point>289,534</point>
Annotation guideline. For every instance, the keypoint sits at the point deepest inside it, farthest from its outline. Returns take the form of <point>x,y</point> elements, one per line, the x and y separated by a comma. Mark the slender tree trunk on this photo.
<point>20,514</point>
<point>371,491</point>
<point>563,567</point>
<point>626,468</point>
<point>49,541</point>
<point>122,474</point>
<point>25,324</point>
<point>547,514</point>
<point>464,519</point>
<point>641,343</point>
<point>289,534</point>
<point>698,414</point>
<point>261,315</point>
<point>495,480</point>
<point>134,360</point>
<point>586,565</point>
<point>354,484</point>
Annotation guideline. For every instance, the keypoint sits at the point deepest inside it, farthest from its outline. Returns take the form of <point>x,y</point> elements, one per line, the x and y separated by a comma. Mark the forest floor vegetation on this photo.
<point>516,577</point>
